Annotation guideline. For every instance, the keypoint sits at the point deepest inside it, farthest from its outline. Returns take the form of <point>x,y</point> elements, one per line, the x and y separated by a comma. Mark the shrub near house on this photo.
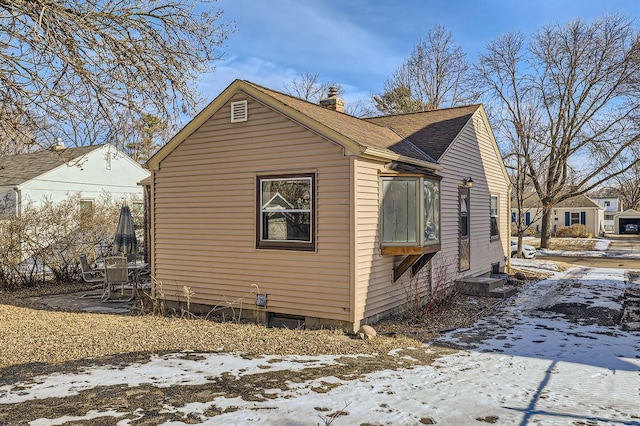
<point>46,240</point>
<point>574,231</point>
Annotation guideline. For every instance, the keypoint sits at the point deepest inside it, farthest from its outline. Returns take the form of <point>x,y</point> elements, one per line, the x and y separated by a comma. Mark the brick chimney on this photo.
<point>333,102</point>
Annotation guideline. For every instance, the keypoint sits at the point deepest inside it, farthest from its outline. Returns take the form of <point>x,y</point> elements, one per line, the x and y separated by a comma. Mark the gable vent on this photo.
<point>238,111</point>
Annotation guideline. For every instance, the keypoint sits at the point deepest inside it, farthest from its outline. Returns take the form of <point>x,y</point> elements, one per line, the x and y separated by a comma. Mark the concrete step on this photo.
<point>503,292</point>
<point>483,286</point>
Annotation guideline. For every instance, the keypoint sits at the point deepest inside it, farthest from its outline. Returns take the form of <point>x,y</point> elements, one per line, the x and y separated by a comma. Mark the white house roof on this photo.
<point>20,168</point>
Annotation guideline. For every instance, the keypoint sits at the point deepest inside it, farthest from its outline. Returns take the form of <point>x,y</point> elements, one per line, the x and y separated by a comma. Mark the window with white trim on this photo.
<point>495,230</point>
<point>575,218</point>
<point>286,212</point>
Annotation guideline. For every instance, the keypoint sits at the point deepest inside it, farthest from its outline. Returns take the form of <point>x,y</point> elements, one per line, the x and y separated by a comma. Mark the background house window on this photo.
<point>575,218</point>
<point>8,203</point>
<point>494,216</point>
<point>286,212</point>
<point>410,211</point>
<point>572,218</point>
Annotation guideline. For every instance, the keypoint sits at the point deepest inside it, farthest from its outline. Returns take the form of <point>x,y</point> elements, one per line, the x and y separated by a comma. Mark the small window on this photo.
<point>409,211</point>
<point>239,111</point>
<point>286,212</point>
<point>575,218</point>
<point>464,213</point>
<point>8,203</point>
<point>494,216</point>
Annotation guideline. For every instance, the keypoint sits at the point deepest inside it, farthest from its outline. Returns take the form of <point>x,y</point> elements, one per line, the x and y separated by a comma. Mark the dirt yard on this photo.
<point>43,341</point>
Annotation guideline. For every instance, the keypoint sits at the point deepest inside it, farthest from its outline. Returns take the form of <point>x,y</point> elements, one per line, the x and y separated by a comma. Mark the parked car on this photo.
<point>528,252</point>
<point>631,228</point>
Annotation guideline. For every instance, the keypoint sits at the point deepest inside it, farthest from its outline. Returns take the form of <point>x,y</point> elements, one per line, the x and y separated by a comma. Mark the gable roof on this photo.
<point>579,201</point>
<point>418,138</point>
<point>431,131</point>
<point>627,213</point>
<point>19,168</point>
<point>356,129</point>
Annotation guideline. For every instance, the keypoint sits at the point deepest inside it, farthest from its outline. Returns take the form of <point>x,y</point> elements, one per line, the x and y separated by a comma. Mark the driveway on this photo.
<point>556,353</point>
<point>624,243</point>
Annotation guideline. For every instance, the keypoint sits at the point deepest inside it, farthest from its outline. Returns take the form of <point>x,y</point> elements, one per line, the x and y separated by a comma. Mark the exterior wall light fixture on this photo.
<point>468,182</point>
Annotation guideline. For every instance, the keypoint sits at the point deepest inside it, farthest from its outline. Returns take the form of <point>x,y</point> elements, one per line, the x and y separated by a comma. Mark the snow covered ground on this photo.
<point>529,364</point>
<point>601,249</point>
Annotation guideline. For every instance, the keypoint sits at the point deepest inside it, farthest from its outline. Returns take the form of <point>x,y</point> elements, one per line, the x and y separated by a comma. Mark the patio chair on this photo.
<point>116,274</point>
<point>91,275</point>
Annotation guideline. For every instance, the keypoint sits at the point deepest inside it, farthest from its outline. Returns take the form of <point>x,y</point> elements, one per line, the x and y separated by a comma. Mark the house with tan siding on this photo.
<point>271,207</point>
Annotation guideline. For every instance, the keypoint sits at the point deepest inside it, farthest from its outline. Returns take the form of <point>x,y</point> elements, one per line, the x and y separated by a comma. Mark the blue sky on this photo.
<point>359,43</point>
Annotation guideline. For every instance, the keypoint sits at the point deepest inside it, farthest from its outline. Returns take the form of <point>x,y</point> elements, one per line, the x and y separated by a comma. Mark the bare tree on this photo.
<point>435,75</point>
<point>309,87</point>
<point>578,78</point>
<point>65,62</point>
<point>627,187</point>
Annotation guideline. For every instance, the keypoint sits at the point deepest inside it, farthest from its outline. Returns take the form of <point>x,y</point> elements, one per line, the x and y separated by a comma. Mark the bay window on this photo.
<point>409,214</point>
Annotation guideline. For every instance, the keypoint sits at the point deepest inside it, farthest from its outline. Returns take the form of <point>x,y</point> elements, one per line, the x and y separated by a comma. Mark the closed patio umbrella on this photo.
<point>125,239</point>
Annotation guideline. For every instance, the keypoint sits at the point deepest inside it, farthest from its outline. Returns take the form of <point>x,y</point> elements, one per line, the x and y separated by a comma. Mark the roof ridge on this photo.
<point>66,149</point>
<point>474,106</point>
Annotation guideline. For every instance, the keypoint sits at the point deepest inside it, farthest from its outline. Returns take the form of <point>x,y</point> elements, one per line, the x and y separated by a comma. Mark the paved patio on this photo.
<point>75,302</point>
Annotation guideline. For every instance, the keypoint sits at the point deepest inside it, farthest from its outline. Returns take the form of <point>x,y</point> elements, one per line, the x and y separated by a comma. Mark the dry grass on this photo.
<point>575,244</point>
<point>32,335</point>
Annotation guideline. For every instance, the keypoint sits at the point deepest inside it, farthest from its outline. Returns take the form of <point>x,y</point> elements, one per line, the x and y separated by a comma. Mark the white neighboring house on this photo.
<point>579,209</point>
<point>611,205</point>
<point>58,172</point>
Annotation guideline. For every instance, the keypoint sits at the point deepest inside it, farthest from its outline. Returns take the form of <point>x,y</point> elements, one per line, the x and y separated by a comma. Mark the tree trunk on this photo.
<point>545,232</point>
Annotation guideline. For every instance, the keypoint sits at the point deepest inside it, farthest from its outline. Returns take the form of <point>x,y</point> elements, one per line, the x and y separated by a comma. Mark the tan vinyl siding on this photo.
<point>205,217</point>
<point>480,161</point>
<point>375,291</point>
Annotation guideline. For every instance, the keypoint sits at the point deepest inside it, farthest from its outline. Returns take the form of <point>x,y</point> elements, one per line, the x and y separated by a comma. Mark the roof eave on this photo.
<point>385,154</point>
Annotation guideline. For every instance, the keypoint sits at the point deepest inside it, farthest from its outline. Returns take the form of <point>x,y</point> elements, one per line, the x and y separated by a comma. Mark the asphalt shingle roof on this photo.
<point>431,131</point>
<point>422,135</point>
<point>532,201</point>
<point>19,168</point>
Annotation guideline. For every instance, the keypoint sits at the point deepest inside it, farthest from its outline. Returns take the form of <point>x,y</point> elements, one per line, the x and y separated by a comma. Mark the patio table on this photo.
<point>134,268</point>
